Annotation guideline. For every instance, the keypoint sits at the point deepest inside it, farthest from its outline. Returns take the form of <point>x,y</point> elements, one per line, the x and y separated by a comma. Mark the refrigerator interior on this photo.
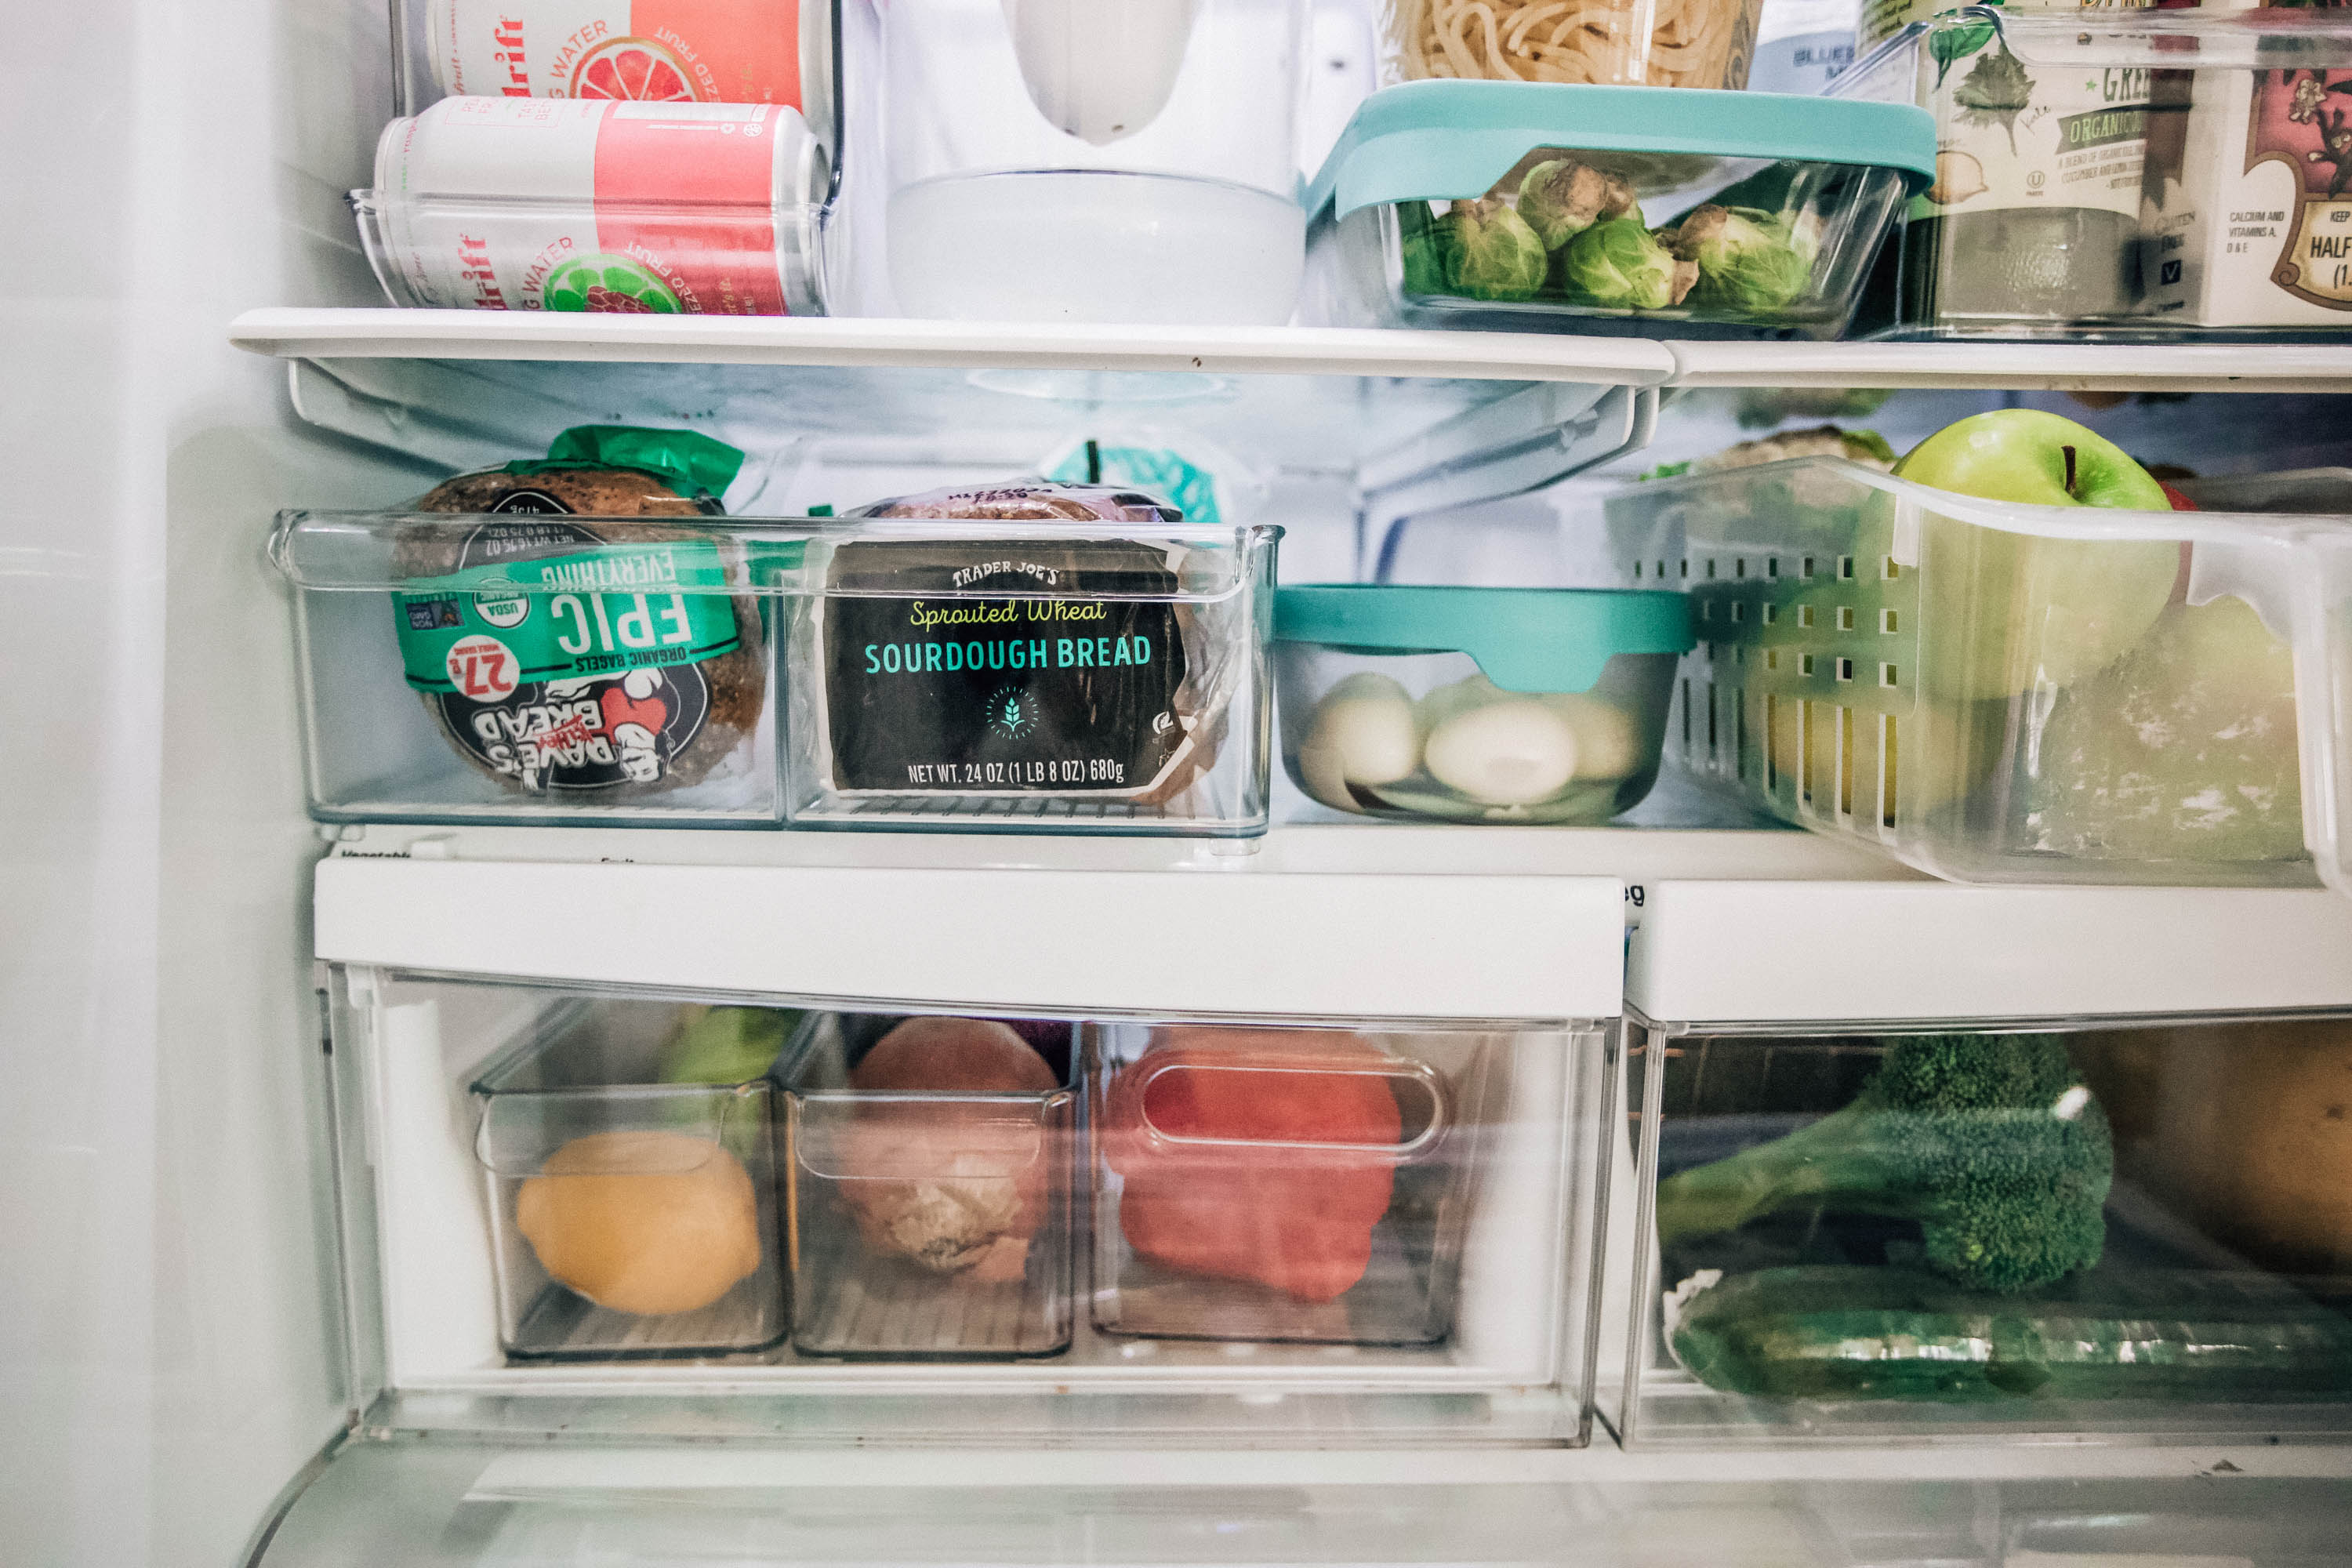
<point>169,1151</point>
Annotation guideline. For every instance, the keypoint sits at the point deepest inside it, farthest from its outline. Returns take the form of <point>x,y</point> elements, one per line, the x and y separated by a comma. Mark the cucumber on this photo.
<point>1862,1333</point>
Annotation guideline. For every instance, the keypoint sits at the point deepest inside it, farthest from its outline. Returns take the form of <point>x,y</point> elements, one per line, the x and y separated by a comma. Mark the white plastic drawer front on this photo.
<point>1216,942</point>
<point>1769,952</point>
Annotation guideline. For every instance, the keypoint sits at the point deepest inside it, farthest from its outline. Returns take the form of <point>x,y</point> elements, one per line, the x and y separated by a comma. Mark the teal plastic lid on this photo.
<point>1526,640</point>
<point>1449,141</point>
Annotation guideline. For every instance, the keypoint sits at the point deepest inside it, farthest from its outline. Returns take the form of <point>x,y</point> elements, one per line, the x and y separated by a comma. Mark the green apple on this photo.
<point>2003,614</point>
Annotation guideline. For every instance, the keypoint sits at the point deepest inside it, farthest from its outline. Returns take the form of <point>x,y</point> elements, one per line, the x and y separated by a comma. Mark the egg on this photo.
<point>1608,744</point>
<point>1362,732</point>
<point>1444,702</point>
<point>1510,753</point>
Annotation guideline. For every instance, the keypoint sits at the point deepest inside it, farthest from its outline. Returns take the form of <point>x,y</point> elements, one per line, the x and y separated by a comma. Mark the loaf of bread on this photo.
<point>1030,665</point>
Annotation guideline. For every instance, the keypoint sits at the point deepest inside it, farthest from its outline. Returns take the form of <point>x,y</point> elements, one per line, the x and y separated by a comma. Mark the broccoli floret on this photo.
<point>1991,1142</point>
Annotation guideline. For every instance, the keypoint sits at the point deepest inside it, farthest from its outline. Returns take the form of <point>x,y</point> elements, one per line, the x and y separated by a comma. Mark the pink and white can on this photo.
<point>542,205</point>
<point>643,51</point>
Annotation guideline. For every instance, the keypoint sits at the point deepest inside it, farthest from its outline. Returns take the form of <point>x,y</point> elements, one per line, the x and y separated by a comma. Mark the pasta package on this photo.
<point>1654,42</point>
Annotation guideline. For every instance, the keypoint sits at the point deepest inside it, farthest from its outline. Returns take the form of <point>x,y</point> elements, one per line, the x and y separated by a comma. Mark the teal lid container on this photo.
<point>1625,211</point>
<point>1524,639</point>
<point>1448,141</point>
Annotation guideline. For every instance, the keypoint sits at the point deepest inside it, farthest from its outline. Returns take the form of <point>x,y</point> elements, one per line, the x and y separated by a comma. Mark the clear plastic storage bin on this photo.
<point>1062,160</point>
<point>632,1182</point>
<point>1510,705</point>
<point>2001,692</point>
<point>1931,1230</point>
<point>2125,174</point>
<point>675,208</point>
<point>1608,209</point>
<point>929,1218</point>
<point>1296,1184</point>
<point>558,669</point>
<point>1681,43</point>
<point>973,675</point>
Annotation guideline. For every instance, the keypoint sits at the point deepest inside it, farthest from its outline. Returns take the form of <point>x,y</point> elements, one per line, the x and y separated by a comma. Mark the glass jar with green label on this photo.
<point>2033,221</point>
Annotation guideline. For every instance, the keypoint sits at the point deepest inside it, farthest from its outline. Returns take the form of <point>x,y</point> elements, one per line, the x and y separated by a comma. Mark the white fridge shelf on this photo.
<point>473,1503</point>
<point>883,408</point>
<point>1760,951</point>
<point>1245,936</point>
<point>383,332</point>
<point>1633,857</point>
<point>2020,367</point>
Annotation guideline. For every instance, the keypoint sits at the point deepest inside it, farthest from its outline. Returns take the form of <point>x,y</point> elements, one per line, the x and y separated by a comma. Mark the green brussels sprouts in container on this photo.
<point>1422,248</point>
<point>1750,261</point>
<point>1492,254</point>
<point>1561,198</point>
<point>1619,264</point>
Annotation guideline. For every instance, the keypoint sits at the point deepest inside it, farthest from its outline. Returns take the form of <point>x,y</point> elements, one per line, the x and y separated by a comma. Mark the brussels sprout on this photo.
<point>1492,252</point>
<point>1617,263</point>
<point>1561,198</point>
<point>1748,260</point>
<point>1422,246</point>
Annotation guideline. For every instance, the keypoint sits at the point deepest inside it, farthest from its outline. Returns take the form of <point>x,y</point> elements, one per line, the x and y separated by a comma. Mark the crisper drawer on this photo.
<point>1915,1183</point>
<point>1997,692</point>
<point>996,1205</point>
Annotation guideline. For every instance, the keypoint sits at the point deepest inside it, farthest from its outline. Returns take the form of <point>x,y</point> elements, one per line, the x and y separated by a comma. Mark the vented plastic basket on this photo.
<point>2007,693</point>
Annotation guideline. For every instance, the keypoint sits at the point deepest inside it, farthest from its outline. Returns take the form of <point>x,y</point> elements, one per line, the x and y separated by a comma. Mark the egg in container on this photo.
<point>1509,705</point>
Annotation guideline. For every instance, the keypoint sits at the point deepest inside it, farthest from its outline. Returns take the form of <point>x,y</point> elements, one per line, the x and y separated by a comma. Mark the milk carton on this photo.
<point>2258,232</point>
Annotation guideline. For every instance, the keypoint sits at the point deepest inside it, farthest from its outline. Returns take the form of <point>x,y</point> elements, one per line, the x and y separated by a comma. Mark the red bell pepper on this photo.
<point>1259,1154</point>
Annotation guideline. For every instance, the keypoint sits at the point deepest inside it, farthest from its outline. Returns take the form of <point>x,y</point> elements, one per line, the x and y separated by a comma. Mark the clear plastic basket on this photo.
<point>1299,1184</point>
<point>2005,693</point>
<point>925,1225</point>
<point>952,675</point>
<point>630,1217</point>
